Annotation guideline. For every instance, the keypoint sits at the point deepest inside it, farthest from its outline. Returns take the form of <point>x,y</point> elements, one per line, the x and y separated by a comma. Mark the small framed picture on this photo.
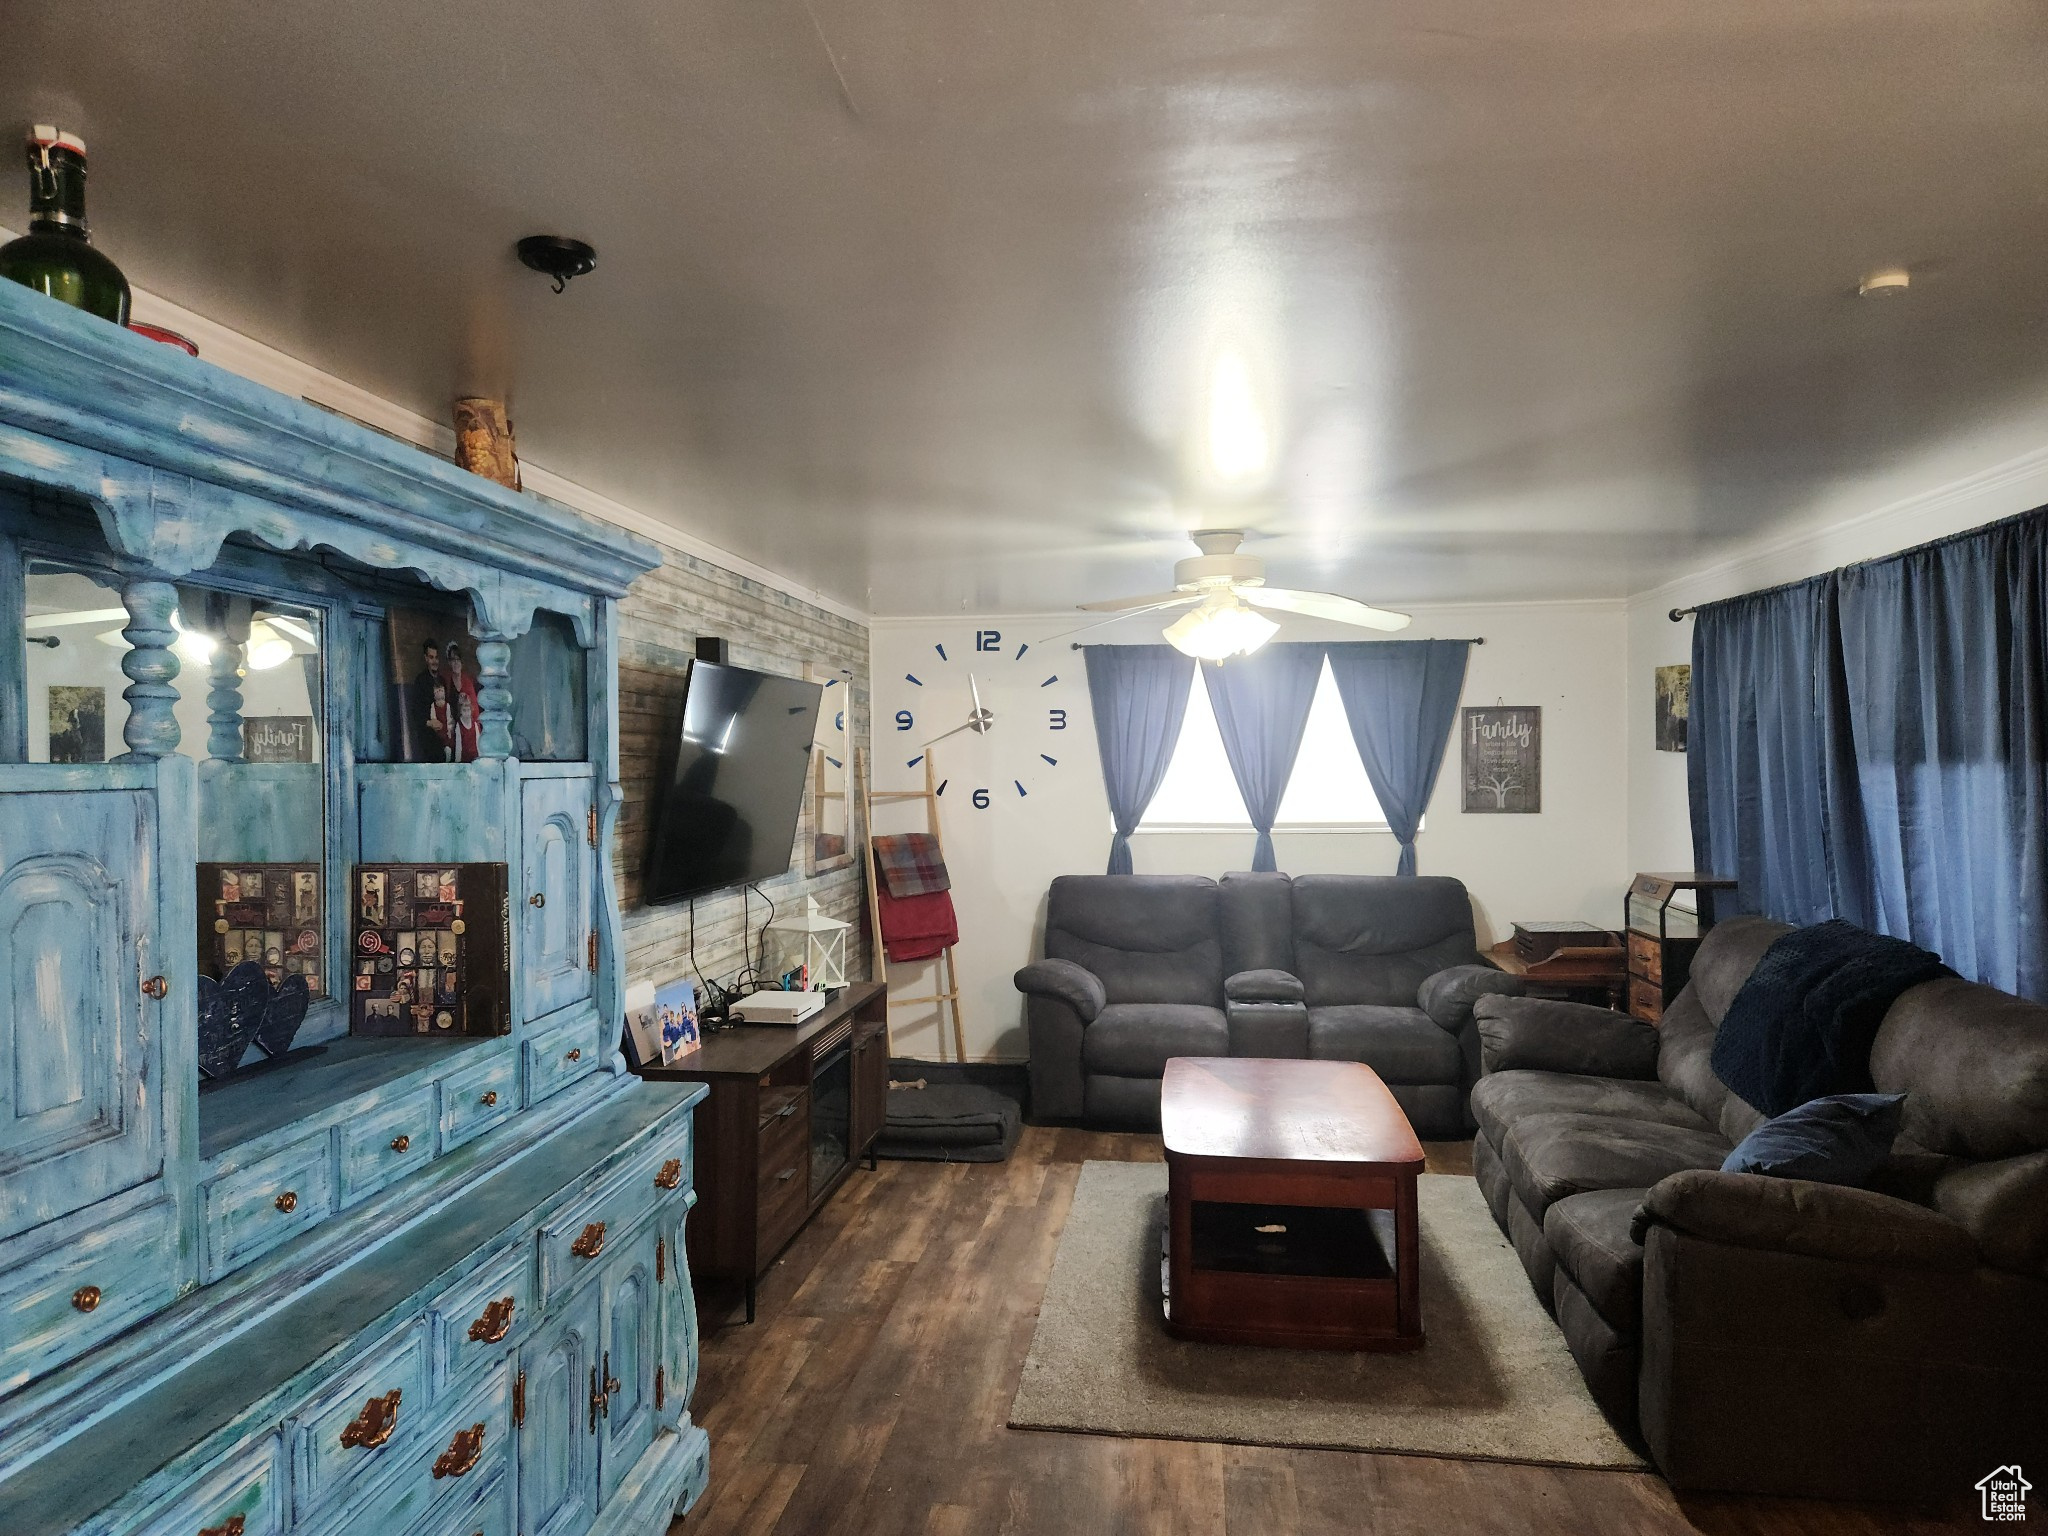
<point>675,1019</point>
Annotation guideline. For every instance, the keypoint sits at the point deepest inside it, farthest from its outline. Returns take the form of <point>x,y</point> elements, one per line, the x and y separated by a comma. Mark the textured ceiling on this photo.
<point>927,304</point>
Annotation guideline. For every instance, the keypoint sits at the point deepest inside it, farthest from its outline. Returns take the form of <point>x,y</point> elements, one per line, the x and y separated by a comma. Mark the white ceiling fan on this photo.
<point>1226,589</point>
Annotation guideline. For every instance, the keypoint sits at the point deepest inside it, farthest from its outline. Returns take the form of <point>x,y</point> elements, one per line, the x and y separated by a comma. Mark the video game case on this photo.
<point>272,914</point>
<point>431,952</point>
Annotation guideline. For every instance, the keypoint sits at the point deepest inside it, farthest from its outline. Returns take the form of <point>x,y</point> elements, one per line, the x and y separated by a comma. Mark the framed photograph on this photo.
<point>1500,754</point>
<point>78,724</point>
<point>675,1019</point>
<point>1674,706</point>
<point>433,681</point>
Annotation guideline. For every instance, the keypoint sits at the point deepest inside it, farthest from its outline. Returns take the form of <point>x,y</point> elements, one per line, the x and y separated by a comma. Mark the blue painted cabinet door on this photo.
<point>630,1354</point>
<point>558,1438</point>
<point>560,874</point>
<point>81,1100</point>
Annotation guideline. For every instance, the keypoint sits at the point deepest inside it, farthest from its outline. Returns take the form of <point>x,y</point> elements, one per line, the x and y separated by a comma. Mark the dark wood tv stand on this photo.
<point>761,1173</point>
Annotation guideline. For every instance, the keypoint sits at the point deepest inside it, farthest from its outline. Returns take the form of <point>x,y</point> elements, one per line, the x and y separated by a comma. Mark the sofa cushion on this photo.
<point>1552,1157</point>
<point>1837,1139</point>
<point>1973,1064</point>
<point>1589,1233</point>
<point>1137,1039</point>
<point>1257,914</point>
<point>1401,1044</point>
<point>1685,1048</point>
<point>1373,938</point>
<point>1147,938</point>
<point>1501,1098</point>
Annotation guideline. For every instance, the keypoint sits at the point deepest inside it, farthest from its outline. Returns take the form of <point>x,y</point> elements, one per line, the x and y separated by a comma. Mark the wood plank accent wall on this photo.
<point>659,622</point>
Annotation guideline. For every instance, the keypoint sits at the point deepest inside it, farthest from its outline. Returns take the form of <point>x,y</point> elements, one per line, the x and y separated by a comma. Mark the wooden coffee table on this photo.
<point>1290,1205</point>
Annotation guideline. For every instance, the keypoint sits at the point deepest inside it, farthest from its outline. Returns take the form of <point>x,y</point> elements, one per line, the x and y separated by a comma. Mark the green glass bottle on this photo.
<point>56,256</point>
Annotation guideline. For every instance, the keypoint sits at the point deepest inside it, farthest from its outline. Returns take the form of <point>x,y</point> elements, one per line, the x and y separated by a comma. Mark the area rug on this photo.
<point>1494,1382</point>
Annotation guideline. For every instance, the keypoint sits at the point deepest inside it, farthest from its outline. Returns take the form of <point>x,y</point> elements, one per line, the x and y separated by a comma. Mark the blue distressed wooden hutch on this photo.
<point>409,1283</point>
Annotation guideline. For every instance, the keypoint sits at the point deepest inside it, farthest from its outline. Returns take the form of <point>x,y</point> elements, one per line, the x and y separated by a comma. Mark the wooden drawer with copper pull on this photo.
<point>241,1495</point>
<point>387,1143</point>
<point>479,1097</point>
<point>483,1317</point>
<point>365,1421</point>
<point>783,1176</point>
<point>252,1209</point>
<point>454,1456</point>
<point>557,1057</point>
<point>1646,957</point>
<point>572,1241</point>
<point>58,1304</point>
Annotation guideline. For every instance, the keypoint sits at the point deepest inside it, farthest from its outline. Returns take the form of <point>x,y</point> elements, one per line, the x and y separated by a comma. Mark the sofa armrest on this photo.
<point>1064,982</point>
<point>1264,986</point>
<point>1448,996</point>
<point>1796,1216</point>
<point>1543,1035</point>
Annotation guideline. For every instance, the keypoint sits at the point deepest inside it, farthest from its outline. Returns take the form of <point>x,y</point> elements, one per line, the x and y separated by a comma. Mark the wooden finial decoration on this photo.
<point>483,441</point>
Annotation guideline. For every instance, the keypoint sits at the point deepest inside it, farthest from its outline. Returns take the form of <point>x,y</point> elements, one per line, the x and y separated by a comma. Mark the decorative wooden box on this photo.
<point>418,1283</point>
<point>1663,937</point>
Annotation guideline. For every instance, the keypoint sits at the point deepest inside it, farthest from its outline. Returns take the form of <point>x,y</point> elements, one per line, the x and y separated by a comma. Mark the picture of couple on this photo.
<point>434,676</point>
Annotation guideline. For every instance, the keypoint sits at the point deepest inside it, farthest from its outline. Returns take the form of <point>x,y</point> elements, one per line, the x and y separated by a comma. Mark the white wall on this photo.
<point>1977,479</point>
<point>1568,861</point>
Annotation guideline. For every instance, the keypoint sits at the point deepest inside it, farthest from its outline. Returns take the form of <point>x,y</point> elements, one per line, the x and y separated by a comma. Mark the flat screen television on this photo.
<point>728,810</point>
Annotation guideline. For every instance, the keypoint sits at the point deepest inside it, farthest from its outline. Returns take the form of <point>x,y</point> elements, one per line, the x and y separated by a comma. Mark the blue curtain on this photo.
<point>1401,699</point>
<point>1767,763</point>
<point>1946,658</point>
<point>1261,703</point>
<point>1873,745</point>
<point>1139,695</point>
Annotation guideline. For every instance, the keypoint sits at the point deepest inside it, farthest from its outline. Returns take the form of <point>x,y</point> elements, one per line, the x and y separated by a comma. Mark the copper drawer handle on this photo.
<point>490,1098</point>
<point>495,1323</point>
<point>372,1427</point>
<point>575,1055</point>
<point>401,1143</point>
<point>671,1174</point>
<point>785,1176</point>
<point>462,1453</point>
<point>591,1243</point>
<point>156,986</point>
<point>537,899</point>
<point>287,1202</point>
<point>86,1297</point>
<point>232,1526</point>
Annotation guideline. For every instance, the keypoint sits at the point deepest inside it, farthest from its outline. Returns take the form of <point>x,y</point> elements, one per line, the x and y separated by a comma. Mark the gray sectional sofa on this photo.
<point>1773,1335</point>
<point>1140,968</point>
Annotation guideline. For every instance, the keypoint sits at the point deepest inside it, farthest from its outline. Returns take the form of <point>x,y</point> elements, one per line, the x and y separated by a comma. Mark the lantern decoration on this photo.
<point>807,952</point>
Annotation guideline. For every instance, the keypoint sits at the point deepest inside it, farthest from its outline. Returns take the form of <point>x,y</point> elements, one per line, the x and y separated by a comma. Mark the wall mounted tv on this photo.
<point>727,812</point>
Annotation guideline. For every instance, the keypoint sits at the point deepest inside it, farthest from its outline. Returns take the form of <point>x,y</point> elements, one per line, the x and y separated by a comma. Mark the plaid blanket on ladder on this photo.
<point>910,865</point>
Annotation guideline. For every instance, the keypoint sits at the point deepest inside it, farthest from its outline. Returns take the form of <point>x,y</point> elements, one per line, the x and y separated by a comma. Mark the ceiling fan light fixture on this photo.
<point>1218,629</point>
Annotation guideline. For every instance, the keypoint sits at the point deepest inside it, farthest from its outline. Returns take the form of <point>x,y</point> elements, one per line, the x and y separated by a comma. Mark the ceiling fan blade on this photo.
<point>1324,605</point>
<point>1155,600</point>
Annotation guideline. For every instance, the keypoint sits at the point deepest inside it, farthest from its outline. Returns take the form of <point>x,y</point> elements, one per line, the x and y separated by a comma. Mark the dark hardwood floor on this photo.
<point>870,1397</point>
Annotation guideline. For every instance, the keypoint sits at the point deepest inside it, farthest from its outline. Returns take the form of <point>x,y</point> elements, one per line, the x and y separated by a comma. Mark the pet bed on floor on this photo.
<point>949,1123</point>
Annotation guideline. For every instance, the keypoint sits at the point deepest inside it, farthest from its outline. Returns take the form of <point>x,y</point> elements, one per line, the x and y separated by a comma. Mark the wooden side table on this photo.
<point>1597,975</point>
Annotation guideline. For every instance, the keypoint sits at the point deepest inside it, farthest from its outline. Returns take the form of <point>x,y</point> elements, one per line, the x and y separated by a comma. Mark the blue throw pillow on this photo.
<point>1836,1140</point>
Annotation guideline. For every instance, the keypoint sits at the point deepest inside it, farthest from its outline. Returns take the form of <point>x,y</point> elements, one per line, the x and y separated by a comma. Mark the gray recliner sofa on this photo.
<point>1142,968</point>
<point>1774,1335</point>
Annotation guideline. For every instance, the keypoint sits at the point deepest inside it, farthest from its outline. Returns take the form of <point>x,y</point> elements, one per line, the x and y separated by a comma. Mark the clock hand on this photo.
<point>969,726</point>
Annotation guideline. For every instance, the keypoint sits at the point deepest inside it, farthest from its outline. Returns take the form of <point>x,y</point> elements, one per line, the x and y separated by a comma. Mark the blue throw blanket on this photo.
<point>1801,1027</point>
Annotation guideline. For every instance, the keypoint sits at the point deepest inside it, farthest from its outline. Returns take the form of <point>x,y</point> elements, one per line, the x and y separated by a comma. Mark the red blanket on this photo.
<point>916,927</point>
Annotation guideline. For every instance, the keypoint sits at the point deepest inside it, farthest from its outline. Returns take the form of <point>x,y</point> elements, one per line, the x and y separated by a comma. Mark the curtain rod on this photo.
<point>1468,640</point>
<point>1678,615</point>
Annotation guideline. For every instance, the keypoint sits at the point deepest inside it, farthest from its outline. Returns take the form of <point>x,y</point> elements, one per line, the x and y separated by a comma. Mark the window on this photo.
<point>1329,787</point>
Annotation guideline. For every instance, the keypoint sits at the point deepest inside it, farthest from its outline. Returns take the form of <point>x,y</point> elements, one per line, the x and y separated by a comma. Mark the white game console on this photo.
<point>774,1007</point>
